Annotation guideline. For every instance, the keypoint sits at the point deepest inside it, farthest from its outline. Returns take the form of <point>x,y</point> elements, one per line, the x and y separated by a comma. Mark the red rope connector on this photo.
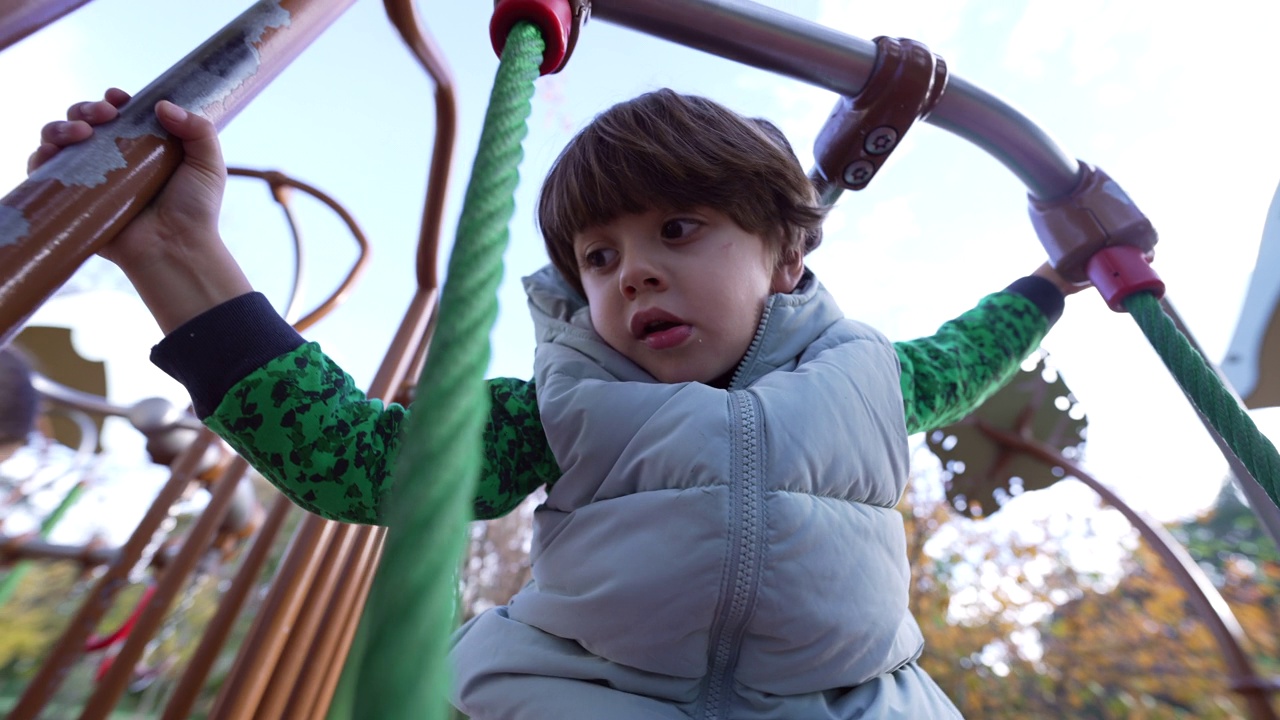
<point>1120,271</point>
<point>559,20</point>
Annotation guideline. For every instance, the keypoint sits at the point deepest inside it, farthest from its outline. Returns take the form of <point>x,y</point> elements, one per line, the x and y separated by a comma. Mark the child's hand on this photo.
<point>186,210</point>
<point>171,252</point>
<point>1047,272</point>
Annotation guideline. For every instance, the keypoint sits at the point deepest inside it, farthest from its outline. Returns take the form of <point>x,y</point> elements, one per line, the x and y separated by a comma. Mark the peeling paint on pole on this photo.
<point>74,204</point>
<point>13,225</point>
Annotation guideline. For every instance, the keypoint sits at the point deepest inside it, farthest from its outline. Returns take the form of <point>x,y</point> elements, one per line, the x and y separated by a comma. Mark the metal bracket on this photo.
<point>906,82</point>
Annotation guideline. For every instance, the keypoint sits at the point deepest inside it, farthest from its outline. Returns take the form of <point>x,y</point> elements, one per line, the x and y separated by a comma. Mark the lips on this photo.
<point>659,329</point>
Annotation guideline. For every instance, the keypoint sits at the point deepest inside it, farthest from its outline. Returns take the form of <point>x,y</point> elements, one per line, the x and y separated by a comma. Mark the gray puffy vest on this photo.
<point>738,538</point>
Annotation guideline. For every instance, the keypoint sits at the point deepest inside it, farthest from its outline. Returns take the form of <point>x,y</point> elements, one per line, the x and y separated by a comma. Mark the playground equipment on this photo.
<point>52,223</point>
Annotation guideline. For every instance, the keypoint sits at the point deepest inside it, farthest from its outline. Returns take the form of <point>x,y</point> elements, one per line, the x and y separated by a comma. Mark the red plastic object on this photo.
<point>1120,271</point>
<point>553,17</point>
<point>99,642</point>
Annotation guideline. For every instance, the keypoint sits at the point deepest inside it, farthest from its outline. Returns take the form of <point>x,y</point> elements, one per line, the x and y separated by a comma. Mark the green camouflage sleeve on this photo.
<point>949,374</point>
<point>303,423</point>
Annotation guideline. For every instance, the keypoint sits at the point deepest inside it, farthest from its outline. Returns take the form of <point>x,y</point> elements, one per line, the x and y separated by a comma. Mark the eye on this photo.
<point>679,228</point>
<point>597,258</point>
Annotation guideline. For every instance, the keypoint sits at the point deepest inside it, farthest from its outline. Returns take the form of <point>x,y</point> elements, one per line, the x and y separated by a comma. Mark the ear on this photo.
<point>788,271</point>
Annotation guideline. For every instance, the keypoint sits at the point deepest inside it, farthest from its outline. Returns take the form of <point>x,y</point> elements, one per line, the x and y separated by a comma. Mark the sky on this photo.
<point>1173,101</point>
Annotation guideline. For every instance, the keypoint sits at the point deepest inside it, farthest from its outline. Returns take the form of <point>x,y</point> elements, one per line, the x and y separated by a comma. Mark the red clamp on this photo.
<point>559,20</point>
<point>906,81</point>
<point>1120,271</point>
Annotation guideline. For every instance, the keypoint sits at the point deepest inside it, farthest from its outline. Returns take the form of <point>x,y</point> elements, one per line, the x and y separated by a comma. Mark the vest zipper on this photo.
<point>746,547</point>
<point>754,347</point>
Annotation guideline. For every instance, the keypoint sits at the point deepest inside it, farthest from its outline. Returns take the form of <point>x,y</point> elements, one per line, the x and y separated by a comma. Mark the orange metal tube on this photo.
<point>70,645</point>
<point>307,625</point>
<point>314,687</point>
<point>20,18</point>
<point>404,16</point>
<point>176,573</point>
<point>324,696</point>
<point>246,681</point>
<point>229,606</point>
<point>74,204</point>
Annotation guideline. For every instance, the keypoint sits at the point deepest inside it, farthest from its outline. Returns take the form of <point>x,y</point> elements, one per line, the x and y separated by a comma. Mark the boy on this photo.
<point>723,449</point>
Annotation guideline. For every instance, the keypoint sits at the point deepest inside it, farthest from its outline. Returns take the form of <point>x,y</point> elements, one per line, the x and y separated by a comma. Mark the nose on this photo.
<point>640,273</point>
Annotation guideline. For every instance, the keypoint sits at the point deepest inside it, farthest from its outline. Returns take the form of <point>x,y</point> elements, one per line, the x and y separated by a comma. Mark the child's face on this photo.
<point>679,293</point>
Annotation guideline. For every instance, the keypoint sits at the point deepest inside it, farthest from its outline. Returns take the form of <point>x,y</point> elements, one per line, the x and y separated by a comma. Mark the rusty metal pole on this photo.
<point>1204,597</point>
<point>20,18</point>
<point>73,205</point>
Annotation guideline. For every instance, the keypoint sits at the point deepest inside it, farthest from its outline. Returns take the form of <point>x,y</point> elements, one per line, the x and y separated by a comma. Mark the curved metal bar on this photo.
<point>90,403</point>
<point>279,179</point>
<point>1203,596</point>
<point>404,16</point>
<point>773,40</point>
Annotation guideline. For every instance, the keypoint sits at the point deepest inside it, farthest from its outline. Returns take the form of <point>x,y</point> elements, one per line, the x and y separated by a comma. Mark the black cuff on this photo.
<point>218,348</point>
<point>1043,293</point>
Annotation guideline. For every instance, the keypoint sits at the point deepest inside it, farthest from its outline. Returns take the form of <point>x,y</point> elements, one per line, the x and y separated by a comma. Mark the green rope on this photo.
<point>1207,392</point>
<point>403,673</point>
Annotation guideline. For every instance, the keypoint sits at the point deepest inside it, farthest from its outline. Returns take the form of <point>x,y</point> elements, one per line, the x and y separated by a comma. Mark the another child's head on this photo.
<point>668,151</point>
<point>19,402</point>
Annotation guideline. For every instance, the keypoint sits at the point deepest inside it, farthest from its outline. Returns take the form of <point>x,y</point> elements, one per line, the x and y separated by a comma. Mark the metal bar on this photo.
<point>296,652</point>
<point>175,577</point>
<point>773,40</point>
<point>229,606</point>
<point>70,645</point>
<point>1203,596</point>
<point>28,547</point>
<point>73,205</point>
<point>246,681</point>
<point>314,690</point>
<point>20,18</point>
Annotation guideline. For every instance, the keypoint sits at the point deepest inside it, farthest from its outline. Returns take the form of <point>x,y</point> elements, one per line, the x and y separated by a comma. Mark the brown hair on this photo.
<point>666,150</point>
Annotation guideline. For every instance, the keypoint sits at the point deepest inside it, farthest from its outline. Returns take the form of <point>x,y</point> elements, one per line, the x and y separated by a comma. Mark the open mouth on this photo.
<point>659,329</point>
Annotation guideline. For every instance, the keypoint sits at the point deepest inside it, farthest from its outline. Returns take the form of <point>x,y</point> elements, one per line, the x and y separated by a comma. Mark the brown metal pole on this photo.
<point>311,693</point>
<point>70,645</point>
<point>20,18</point>
<point>1205,598</point>
<point>74,204</point>
<point>245,683</point>
<point>175,576</point>
<point>229,605</point>
<point>329,684</point>
<point>31,547</point>
<point>307,627</point>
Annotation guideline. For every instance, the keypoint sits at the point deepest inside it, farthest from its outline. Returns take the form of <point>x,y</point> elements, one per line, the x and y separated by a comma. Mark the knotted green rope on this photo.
<point>412,605</point>
<point>1207,392</point>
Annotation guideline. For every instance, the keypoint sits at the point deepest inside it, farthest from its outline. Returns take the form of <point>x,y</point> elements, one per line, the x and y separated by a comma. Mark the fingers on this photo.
<point>199,137</point>
<point>41,156</point>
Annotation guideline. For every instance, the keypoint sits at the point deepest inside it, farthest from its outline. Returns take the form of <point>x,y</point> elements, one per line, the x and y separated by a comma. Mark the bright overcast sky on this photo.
<point>1173,100</point>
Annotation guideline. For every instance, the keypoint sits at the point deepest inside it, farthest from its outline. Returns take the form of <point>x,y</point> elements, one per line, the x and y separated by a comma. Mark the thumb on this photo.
<point>199,137</point>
